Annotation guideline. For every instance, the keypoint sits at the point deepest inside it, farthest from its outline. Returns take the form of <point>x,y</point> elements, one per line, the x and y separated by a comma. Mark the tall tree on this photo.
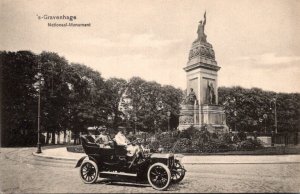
<point>88,100</point>
<point>254,109</point>
<point>171,98</point>
<point>150,103</point>
<point>18,97</point>
<point>54,93</point>
<point>115,90</point>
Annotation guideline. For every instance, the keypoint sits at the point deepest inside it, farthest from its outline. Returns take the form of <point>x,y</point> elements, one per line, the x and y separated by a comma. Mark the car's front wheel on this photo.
<point>88,172</point>
<point>178,172</point>
<point>159,176</point>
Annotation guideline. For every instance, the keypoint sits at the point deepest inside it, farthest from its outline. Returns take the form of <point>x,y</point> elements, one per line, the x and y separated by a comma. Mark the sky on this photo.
<point>257,42</point>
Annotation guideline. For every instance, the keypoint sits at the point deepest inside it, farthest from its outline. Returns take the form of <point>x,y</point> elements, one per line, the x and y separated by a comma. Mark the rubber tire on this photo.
<point>182,175</point>
<point>97,172</point>
<point>168,173</point>
<point>180,178</point>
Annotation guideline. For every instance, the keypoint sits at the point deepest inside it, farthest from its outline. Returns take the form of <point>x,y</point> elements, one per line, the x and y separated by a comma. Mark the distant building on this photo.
<point>125,104</point>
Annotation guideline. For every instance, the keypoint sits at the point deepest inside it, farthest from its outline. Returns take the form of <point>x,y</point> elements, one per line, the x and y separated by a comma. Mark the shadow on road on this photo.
<point>120,183</point>
<point>172,187</point>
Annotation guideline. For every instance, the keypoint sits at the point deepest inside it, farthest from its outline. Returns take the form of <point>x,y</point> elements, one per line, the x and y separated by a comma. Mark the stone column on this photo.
<point>196,114</point>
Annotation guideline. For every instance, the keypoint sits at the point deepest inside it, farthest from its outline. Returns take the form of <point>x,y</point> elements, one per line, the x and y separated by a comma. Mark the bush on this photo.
<point>242,136</point>
<point>249,144</point>
<point>192,141</point>
<point>153,145</point>
<point>226,138</point>
<point>201,141</point>
<point>183,145</point>
<point>76,149</point>
<point>215,147</point>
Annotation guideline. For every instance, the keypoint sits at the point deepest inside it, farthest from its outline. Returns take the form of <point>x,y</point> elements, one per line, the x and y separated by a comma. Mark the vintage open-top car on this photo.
<point>157,169</point>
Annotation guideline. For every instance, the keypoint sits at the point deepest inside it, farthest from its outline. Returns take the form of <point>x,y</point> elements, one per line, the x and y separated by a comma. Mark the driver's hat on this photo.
<point>102,129</point>
<point>121,128</point>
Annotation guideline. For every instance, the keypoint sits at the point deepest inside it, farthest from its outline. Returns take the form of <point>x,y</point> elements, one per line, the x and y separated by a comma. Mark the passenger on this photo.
<point>121,139</point>
<point>103,140</point>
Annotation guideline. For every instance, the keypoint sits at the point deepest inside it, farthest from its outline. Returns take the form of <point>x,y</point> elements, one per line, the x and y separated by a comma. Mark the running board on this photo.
<point>109,173</point>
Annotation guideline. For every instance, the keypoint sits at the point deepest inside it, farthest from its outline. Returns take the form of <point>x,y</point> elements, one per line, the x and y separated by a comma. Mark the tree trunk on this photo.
<point>75,137</point>
<point>53,138</point>
<point>79,140</point>
<point>65,136</point>
<point>47,138</point>
<point>58,137</point>
<point>69,136</point>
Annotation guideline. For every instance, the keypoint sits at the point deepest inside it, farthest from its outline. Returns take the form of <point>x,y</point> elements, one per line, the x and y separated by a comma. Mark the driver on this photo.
<point>121,139</point>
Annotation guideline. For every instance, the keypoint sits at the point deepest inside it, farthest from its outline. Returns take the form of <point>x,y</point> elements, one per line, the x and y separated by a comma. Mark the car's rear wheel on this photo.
<point>88,172</point>
<point>159,176</point>
<point>178,172</point>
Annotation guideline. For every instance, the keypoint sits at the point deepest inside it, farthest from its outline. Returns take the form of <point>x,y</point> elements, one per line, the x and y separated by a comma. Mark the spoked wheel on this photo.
<point>159,176</point>
<point>178,172</point>
<point>88,172</point>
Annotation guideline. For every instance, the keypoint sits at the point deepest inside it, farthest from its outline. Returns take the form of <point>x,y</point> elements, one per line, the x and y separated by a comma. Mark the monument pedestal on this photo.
<point>213,116</point>
<point>188,116</point>
<point>202,81</point>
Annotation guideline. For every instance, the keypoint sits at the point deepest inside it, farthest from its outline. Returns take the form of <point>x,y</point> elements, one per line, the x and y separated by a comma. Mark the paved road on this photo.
<point>21,172</point>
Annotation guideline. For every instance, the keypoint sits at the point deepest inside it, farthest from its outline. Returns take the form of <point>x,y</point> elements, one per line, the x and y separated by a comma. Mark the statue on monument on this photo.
<point>210,94</point>
<point>191,98</point>
<point>200,31</point>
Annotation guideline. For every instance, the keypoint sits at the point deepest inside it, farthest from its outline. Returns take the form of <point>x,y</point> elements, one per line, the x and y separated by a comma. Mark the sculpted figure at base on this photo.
<point>191,98</point>
<point>210,94</point>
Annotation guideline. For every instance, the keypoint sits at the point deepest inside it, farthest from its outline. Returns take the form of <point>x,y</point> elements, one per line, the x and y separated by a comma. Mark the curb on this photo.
<point>193,162</point>
<point>69,159</point>
<point>53,157</point>
<point>240,163</point>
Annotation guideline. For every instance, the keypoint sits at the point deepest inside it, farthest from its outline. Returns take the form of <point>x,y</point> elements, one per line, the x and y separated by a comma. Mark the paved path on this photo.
<point>62,153</point>
<point>21,172</point>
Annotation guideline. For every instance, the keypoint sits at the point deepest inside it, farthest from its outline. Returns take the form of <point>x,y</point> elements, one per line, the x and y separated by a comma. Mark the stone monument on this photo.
<point>200,106</point>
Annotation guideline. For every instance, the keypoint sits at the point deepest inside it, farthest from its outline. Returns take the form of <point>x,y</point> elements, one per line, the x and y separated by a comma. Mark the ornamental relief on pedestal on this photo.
<point>186,120</point>
<point>202,51</point>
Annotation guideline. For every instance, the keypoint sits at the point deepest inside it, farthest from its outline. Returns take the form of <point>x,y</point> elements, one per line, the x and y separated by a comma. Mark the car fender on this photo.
<point>80,161</point>
<point>180,163</point>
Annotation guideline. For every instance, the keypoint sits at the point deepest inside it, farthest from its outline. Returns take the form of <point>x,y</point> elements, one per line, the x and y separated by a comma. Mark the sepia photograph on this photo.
<point>149,96</point>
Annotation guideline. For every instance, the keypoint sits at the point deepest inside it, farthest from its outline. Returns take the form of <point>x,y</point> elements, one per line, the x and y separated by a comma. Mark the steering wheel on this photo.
<point>132,142</point>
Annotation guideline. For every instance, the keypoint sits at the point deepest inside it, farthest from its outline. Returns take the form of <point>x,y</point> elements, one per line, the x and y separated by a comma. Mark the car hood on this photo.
<point>161,155</point>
